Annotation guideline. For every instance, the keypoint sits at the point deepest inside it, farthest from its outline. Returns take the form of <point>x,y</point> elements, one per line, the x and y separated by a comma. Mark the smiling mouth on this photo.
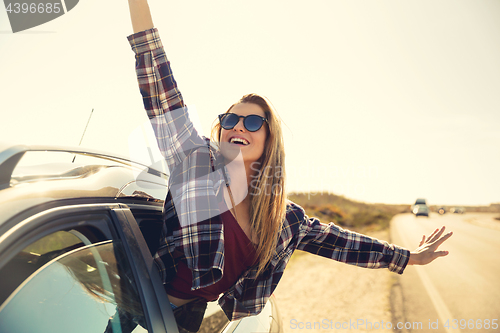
<point>239,141</point>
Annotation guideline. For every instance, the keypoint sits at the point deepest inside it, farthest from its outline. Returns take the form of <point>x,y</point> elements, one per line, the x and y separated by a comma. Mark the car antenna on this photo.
<point>88,121</point>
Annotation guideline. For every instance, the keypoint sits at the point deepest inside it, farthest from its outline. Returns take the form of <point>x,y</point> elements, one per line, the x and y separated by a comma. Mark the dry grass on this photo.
<point>353,215</point>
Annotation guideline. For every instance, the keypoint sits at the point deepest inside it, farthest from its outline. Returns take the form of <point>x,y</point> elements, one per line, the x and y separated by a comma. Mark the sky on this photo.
<point>382,101</point>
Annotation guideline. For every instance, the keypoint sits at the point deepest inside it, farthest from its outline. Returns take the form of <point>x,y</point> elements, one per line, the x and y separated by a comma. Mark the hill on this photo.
<point>350,214</point>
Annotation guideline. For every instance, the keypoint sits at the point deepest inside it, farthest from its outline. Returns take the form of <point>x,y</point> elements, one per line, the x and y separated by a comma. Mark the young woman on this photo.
<point>228,228</point>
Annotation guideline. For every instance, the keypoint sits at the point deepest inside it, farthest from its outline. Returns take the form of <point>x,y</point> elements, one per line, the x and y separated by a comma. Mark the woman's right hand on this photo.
<point>427,249</point>
<point>140,15</point>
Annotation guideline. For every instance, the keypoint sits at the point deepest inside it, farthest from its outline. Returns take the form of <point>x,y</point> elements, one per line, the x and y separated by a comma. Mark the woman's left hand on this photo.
<point>426,251</point>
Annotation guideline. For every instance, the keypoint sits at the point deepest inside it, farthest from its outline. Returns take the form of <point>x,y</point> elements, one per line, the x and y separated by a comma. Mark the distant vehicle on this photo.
<point>457,210</point>
<point>441,210</point>
<point>420,208</point>
<point>420,201</point>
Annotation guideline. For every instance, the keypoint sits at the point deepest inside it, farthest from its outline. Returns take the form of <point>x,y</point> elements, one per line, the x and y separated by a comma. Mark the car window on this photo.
<point>420,202</point>
<point>64,283</point>
<point>145,189</point>
<point>33,257</point>
<point>150,223</point>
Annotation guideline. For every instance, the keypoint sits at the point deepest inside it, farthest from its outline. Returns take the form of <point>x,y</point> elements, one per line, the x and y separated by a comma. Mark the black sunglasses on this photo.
<point>252,122</point>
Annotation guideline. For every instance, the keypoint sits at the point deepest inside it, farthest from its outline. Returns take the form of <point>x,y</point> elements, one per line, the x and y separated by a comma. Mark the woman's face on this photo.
<point>253,146</point>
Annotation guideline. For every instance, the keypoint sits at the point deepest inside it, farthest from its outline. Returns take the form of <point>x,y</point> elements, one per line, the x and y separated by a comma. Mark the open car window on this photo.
<point>65,283</point>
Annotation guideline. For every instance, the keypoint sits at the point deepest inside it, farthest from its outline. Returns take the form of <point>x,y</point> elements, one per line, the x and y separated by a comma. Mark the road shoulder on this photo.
<point>321,295</point>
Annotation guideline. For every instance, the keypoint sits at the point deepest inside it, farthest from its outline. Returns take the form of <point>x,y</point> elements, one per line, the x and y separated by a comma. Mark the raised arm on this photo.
<point>163,101</point>
<point>140,15</point>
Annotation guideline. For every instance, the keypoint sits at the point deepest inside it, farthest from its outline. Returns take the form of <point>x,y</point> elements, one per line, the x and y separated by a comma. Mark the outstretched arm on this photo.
<point>426,251</point>
<point>163,101</point>
<point>140,15</point>
<point>334,242</point>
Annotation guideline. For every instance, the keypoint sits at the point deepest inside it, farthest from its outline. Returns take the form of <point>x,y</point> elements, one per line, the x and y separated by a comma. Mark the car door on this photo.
<point>149,219</point>
<point>80,268</point>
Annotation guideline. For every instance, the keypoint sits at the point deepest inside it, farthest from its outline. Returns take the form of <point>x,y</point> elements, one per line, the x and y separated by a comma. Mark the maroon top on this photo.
<point>239,255</point>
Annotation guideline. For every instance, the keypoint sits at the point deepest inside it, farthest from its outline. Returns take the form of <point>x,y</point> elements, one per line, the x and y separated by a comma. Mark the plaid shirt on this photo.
<point>193,229</point>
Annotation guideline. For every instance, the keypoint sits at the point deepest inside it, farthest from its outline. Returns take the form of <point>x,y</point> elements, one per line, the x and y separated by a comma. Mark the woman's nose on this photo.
<point>239,125</point>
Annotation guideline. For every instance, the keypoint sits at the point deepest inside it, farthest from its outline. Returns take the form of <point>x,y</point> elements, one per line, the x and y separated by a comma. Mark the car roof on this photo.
<point>420,201</point>
<point>96,176</point>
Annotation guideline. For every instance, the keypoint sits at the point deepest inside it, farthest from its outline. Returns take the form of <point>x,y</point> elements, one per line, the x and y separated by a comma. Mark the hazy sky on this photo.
<point>382,101</point>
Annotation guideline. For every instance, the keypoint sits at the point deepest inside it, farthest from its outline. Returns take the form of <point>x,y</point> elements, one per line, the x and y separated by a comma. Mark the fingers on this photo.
<point>437,243</point>
<point>441,253</point>
<point>426,252</point>
<point>442,239</point>
<point>432,235</point>
<point>422,241</point>
<point>434,256</point>
<point>440,232</point>
<point>436,234</point>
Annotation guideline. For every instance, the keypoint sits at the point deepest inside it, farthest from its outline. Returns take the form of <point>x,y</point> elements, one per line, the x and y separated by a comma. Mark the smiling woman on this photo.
<point>231,130</point>
<point>260,214</point>
<point>228,229</point>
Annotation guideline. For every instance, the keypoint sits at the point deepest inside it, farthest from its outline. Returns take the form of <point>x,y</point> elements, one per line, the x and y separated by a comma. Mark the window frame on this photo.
<point>113,221</point>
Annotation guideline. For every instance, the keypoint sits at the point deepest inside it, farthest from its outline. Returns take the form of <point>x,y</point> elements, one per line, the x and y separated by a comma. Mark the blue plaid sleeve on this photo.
<point>331,241</point>
<point>165,107</point>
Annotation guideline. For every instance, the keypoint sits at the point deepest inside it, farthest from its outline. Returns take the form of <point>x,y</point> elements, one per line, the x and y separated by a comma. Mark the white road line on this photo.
<point>439,305</point>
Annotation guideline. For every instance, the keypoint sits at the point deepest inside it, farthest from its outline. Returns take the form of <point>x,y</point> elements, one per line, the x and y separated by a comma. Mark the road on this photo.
<point>464,286</point>
<point>319,295</point>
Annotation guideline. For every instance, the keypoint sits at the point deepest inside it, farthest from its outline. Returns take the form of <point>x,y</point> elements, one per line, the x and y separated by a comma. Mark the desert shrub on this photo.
<point>347,213</point>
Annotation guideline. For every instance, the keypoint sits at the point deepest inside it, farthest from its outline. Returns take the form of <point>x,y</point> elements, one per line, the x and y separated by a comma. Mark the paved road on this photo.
<point>464,286</point>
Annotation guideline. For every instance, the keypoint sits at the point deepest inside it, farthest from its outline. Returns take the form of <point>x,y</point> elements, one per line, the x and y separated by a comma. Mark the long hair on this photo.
<point>267,189</point>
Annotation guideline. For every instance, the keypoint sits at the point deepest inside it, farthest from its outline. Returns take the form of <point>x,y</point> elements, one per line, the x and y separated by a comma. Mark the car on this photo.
<point>78,228</point>
<point>420,201</point>
<point>457,210</point>
<point>420,208</point>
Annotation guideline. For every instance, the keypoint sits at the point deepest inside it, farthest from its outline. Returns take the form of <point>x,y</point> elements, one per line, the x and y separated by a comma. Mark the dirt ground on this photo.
<point>321,295</point>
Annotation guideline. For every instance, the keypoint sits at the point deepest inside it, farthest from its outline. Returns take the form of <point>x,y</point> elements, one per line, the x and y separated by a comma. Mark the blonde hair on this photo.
<point>267,189</point>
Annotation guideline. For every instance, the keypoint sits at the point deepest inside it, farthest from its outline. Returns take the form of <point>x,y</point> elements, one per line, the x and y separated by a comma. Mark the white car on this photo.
<point>420,208</point>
